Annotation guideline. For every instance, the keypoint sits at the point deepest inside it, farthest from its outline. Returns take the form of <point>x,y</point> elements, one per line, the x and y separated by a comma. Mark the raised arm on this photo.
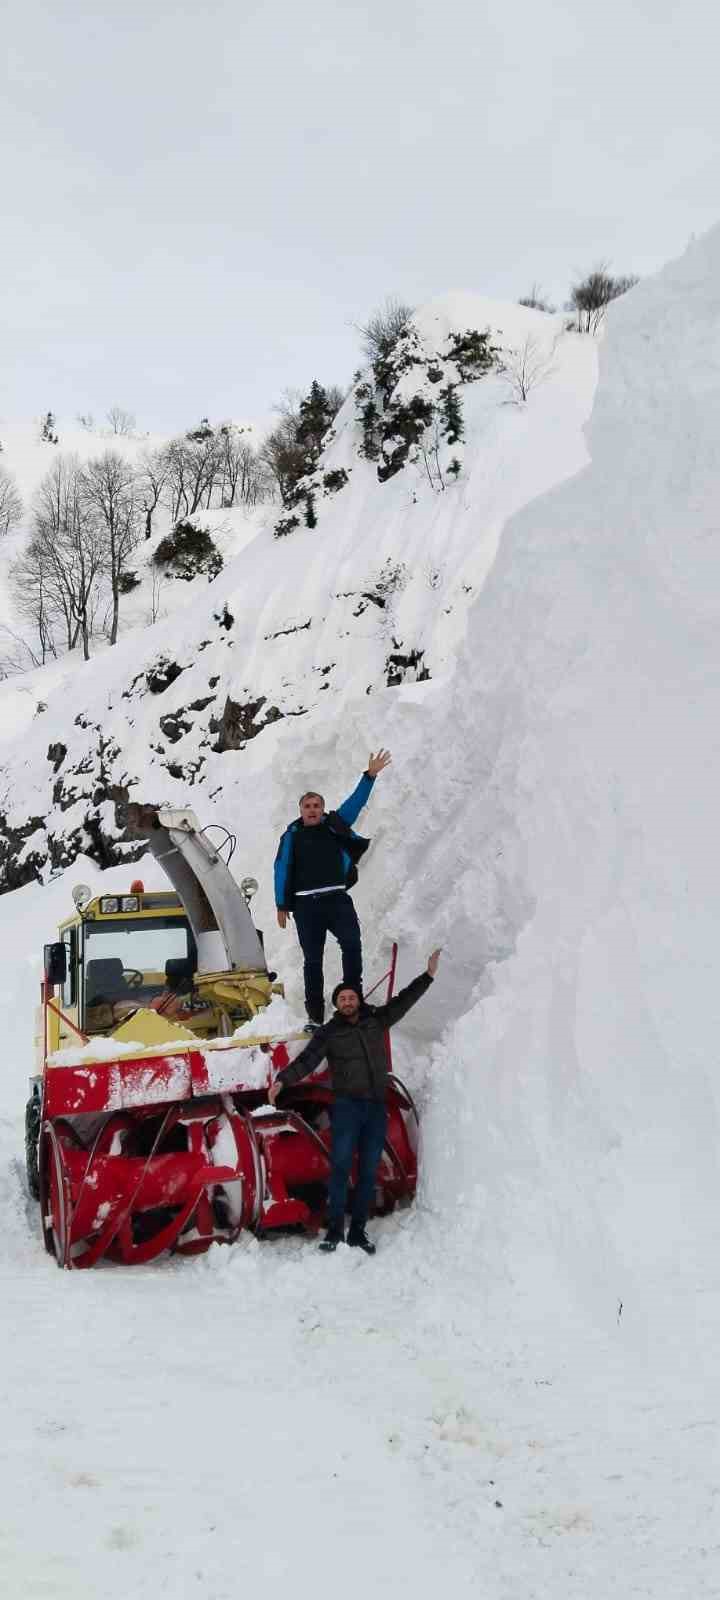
<point>351,808</point>
<point>401,1003</point>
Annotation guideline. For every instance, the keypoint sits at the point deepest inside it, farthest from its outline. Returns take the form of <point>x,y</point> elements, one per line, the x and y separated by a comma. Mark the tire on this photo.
<point>33,1116</point>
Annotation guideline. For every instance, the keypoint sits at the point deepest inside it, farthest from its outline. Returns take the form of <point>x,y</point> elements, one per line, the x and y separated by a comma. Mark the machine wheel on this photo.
<point>33,1116</point>
<point>54,1198</point>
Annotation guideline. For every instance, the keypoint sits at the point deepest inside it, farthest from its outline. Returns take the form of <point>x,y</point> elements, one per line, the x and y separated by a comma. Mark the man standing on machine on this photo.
<point>315,866</point>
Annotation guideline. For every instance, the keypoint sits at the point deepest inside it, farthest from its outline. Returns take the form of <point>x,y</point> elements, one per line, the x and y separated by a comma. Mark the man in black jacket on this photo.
<point>354,1043</point>
<point>315,866</point>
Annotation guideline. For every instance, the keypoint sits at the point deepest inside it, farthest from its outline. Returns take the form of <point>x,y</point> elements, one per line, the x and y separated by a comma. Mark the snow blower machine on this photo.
<point>148,1128</point>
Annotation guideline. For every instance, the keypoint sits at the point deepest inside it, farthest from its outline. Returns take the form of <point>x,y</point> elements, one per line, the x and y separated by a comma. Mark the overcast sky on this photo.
<point>199,201</point>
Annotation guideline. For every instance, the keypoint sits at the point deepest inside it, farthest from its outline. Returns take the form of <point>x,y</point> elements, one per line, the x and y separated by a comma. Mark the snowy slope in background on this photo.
<point>524,1384</point>
<point>28,458</point>
<point>309,626</point>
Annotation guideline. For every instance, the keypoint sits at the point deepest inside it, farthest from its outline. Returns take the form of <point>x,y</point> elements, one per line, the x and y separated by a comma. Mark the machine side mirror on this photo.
<point>55,961</point>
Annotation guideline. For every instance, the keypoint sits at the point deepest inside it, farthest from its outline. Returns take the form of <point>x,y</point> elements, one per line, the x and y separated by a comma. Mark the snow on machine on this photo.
<point>148,1127</point>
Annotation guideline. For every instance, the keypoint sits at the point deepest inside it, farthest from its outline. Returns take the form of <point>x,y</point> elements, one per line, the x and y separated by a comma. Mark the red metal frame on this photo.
<point>127,1159</point>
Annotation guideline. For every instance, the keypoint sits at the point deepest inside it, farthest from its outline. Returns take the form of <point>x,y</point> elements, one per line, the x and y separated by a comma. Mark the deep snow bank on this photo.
<point>573,1129</point>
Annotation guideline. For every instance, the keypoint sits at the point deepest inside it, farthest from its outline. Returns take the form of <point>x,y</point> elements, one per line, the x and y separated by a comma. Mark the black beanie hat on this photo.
<point>339,989</point>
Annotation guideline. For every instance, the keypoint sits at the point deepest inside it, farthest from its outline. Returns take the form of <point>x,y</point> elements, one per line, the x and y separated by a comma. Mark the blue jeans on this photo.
<point>356,1125</point>
<point>315,917</point>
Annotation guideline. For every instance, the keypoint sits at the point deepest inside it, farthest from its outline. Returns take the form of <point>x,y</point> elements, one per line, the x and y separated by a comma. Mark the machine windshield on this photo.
<point>127,961</point>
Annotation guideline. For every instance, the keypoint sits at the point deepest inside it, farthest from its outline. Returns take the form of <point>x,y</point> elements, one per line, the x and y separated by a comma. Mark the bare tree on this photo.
<point>204,465</point>
<point>243,475</point>
<point>176,478</point>
<point>194,470</point>
<point>121,421</point>
<point>17,654</point>
<point>158,583</point>
<point>86,420</point>
<point>590,298</point>
<point>429,449</point>
<point>107,487</point>
<point>284,458</point>
<point>381,332</point>
<point>336,397</point>
<point>536,300</point>
<point>256,483</point>
<point>31,586</point>
<point>288,406</point>
<point>11,506</point>
<point>236,453</point>
<point>57,581</point>
<point>150,478</point>
<point>527,367</point>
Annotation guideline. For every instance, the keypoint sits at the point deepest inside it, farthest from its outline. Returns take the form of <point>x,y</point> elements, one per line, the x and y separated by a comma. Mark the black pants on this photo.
<point>356,1125</point>
<point>317,915</point>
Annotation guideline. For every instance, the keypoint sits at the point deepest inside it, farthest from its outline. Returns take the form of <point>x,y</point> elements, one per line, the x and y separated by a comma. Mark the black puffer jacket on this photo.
<point>356,1050</point>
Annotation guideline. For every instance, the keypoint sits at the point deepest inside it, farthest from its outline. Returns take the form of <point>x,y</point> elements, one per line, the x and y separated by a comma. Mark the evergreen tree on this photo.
<point>368,416</point>
<point>453,425</point>
<point>315,414</point>
<point>47,431</point>
<point>292,451</point>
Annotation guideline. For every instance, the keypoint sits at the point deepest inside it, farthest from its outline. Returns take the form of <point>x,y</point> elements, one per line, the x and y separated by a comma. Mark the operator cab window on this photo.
<point>125,962</point>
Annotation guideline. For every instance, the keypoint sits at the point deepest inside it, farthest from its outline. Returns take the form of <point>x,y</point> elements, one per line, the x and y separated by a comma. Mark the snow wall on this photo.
<point>571,1138</point>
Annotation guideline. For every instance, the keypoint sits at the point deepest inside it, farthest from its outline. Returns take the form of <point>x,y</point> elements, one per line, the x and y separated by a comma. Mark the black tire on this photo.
<point>33,1117</point>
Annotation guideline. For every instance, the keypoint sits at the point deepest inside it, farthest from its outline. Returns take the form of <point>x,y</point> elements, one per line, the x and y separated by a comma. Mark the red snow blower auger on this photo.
<point>148,1127</point>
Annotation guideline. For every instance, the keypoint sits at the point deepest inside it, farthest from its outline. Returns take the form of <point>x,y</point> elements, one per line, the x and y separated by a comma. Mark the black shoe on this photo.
<point>358,1236</point>
<point>333,1238</point>
<point>311,1026</point>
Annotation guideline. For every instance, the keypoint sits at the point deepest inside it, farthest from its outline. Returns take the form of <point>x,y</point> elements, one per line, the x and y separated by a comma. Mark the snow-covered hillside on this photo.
<point>520,1396</point>
<point>375,596</point>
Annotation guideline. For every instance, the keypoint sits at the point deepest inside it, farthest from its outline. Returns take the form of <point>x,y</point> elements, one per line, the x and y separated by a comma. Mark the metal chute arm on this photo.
<point>224,933</point>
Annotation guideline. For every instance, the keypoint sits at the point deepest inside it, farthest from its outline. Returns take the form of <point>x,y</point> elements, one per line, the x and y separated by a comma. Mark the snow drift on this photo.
<point>583,716</point>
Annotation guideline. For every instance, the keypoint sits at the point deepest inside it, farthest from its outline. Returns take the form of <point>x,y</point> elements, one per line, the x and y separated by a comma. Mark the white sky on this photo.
<point>199,202</point>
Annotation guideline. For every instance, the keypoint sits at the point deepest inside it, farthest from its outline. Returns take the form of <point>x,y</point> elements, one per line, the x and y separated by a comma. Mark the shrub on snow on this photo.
<point>188,552</point>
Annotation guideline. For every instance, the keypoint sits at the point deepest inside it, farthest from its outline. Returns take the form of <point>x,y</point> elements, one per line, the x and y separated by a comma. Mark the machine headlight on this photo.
<point>81,895</point>
<point>129,902</point>
<point>249,887</point>
<point>109,903</point>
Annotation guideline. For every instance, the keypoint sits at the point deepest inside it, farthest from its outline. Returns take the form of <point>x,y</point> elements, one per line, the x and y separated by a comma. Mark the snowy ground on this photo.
<point>268,1417</point>
<point>519,1397</point>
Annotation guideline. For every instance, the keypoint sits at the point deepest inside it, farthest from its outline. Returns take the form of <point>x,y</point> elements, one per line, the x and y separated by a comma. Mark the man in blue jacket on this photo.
<point>315,865</point>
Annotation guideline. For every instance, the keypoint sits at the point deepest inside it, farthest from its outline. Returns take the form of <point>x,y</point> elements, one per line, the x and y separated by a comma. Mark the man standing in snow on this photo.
<point>315,865</point>
<point>354,1043</point>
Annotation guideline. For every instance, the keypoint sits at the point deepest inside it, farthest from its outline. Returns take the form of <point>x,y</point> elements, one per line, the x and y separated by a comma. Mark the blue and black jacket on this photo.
<point>338,822</point>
